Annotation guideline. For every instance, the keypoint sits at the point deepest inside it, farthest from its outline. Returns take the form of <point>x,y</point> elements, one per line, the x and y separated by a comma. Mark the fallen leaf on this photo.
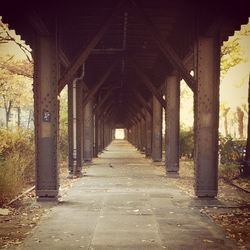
<point>207,241</point>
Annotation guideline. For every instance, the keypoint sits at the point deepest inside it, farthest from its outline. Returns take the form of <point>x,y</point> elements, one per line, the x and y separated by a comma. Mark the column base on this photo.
<point>47,198</point>
<point>70,175</point>
<point>208,194</point>
<point>158,162</point>
<point>47,195</point>
<point>173,174</point>
<point>79,174</point>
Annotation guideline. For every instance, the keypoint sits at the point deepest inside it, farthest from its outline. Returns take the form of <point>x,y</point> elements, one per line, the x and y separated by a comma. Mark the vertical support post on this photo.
<point>157,131</point>
<point>72,126</point>
<point>126,134</point>
<point>70,131</point>
<point>46,117</point>
<point>88,132</point>
<point>207,116</point>
<point>172,116</point>
<point>139,135</point>
<point>96,134</point>
<point>79,123</point>
<point>143,135</point>
<point>100,133</point>
<point>148,134</point>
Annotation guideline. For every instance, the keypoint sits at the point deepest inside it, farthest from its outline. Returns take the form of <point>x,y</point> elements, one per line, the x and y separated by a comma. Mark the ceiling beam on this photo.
<point>165,47</point>
<point>103,100</point>
<point>148,83</point>
<point>100,82</point>
<point>65,61</point>
<point>86,51</point>
<point>142,100</point>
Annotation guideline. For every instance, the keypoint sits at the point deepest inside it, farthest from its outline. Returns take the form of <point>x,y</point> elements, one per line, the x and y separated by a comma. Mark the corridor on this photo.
<point>125,202</point>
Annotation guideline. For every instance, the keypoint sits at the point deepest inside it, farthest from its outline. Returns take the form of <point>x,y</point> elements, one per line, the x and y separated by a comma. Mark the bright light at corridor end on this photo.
<point>119,134</point>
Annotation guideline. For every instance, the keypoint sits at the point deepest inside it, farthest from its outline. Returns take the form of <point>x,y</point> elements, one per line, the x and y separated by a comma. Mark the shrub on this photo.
<point>187,143</point>
<point>231,151</point>
<point>16,161</point>
<point>229,171</point>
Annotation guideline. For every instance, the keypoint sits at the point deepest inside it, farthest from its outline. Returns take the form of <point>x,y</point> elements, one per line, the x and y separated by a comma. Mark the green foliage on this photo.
<point>231,151</point>
<point>16,162</point>
<point>186,143</point>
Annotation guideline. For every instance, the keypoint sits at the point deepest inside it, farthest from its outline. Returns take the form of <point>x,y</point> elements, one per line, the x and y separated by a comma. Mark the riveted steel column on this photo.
<point>79,125</point>
<point>157,131</point>
<point>88,132</point>
<point>46,117</point>
<point>148,134</point>
<point>125,134</point>
<point>172,123</point>
<point>143,135</point>
<point>138,138</point>
<point>70,131</point>
<point>96,134</point>
<point>139,135</point>
<point>113,133</point>
<point>207,116</point>
<point>99,134</point>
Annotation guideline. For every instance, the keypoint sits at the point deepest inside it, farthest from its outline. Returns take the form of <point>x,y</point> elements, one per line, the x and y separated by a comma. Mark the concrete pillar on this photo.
<point>46,117</point>
<point>207,116</point>
<point>148,134</point>
<point>157,131</point>
<point>172,123</point>
<point>88,132</point>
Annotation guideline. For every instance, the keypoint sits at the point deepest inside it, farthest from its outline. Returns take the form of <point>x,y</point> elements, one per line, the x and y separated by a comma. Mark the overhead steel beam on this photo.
<point>37,24</point>
<point>86,51</point>
<point>138,108</point>
<point>165,47</point>
<point>102,80</point>
<point>65,61</point>
<point>63,58</point>
<point>148,83</point>
<point>133,113</point>
<point>143,101</point>
<point>99,105</point>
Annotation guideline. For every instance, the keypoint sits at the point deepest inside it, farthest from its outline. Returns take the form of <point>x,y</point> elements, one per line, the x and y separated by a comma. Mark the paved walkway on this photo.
<point>126,202</point>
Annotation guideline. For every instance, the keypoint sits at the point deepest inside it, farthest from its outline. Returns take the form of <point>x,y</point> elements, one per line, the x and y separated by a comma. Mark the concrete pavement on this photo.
<point>126,202</point>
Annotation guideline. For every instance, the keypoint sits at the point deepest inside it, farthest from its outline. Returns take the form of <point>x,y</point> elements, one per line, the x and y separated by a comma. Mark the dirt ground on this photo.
<point>233,217</point>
